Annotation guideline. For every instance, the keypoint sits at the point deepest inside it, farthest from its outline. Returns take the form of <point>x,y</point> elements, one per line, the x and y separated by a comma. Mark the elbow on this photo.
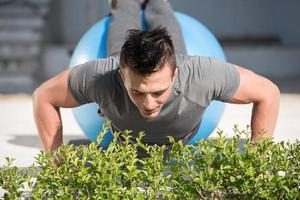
<point>269,94</point>
<point>272,94</point>
<point>275,92</point>
<point>40,96</point>
<point>37,100</point>
<point>37,94</point>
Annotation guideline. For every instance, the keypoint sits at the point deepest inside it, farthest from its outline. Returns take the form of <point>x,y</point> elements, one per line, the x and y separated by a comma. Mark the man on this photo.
<point>149,83</point>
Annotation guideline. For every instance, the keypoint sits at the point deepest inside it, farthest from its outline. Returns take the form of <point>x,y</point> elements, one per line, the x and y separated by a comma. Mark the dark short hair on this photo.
<point>146,51</point>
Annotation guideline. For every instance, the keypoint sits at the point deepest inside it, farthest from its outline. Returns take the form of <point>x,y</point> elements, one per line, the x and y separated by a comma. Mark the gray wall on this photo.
<point>252,18</point>
<point>50,31</point>
<point>249,23</point>
<point>70,19</point>
<point>227,19</point>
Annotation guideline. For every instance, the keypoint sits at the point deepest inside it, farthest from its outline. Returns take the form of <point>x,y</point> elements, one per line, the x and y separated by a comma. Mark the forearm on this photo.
<point>48,123</point>
<point>264,117</point>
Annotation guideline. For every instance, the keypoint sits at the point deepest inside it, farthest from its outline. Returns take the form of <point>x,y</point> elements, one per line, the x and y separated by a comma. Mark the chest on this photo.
<point>177,118</point>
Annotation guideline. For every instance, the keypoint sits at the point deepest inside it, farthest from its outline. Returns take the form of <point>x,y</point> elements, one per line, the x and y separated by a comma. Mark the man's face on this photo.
<point>149,92</point>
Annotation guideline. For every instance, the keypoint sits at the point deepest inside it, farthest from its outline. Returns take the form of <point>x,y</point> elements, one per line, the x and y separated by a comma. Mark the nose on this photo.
<point>149,103</point>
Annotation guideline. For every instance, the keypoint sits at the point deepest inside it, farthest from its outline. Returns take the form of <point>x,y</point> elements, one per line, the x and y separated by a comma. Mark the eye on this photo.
<point>157,94</point>
<point>135,93</point>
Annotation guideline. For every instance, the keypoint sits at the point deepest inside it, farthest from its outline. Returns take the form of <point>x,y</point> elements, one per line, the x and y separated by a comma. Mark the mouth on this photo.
<point>149,112</point>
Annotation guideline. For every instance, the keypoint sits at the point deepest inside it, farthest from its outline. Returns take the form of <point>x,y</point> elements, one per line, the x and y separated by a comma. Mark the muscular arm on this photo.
<point>265,97</point>
<point>47,100</point>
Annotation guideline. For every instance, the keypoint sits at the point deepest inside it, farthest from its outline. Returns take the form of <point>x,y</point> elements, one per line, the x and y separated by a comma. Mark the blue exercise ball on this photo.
<point>198,40</point>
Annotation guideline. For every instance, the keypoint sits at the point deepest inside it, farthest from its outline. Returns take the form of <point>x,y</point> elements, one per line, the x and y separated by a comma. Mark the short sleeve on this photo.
<point>81,82</point>
<point>89,82</point>
<point>213,79</point>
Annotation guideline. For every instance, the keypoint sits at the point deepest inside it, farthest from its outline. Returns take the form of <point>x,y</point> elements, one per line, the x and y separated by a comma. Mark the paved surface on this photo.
<point>19,138</point>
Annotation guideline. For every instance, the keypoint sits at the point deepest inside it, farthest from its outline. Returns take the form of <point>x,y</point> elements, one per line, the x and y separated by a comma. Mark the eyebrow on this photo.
<point>135,90</point>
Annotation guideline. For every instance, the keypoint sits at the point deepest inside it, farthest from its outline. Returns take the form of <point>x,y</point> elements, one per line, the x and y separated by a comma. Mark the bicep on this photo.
<point>56,91</point>
<point>252,88</point>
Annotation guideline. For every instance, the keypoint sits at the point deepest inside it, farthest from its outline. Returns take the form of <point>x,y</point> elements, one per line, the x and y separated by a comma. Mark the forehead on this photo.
<point>158,80</point>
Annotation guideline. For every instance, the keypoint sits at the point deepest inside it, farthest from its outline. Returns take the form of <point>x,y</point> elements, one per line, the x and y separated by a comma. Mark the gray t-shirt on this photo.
<point>200,80</point>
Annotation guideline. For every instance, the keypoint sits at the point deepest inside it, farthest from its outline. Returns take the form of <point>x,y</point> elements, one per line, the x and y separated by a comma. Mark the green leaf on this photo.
<point>241,163</point>
<point>250,171</point>
<point>232,179</point>
<point>211,169</point>
<point>286,189</point>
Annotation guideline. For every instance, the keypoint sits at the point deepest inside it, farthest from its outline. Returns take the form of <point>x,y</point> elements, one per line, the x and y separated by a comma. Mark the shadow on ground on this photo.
<point>35,142</point>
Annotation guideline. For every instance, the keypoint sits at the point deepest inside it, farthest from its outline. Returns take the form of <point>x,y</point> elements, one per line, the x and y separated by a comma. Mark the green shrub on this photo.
<point>216,168</point>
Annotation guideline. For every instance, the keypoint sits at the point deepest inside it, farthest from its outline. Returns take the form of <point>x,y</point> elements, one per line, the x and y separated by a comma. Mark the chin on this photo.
<point>150,116</point>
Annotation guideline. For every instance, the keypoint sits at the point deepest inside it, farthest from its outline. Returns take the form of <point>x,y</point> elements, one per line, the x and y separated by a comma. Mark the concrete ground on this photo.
<point>19,137</point>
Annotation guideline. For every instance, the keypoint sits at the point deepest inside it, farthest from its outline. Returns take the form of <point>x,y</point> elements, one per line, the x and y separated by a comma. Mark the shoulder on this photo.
<point>190,80</point>
<point>201,67</point>
<point>98,65</point>
<point>95,70</point>
<point>192,68</point>
<point>203,79</point>
<point>195,64</point>
<point>93,79</point>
